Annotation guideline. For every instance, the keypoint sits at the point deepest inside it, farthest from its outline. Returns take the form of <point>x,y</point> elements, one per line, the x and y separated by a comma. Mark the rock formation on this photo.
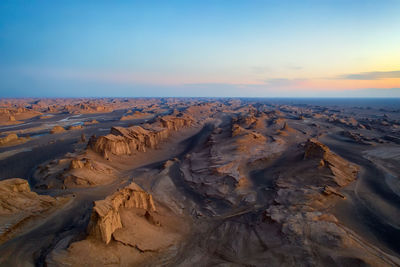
<point>124,141</point>
<point>16,196</point>
<point>73,171</point>
<point>75,127</point>
<point>16,115</point>
<point>106,217</point>
<point>19,205</point>
<point>298,219</point>
<point>12,139</point>
<point>357,138</point>
<point>136,115</point>
<point>126,228</point>
<point>286,130</point>
<point>341,170</point>
<point>57,129</point>
<point>90,122</point>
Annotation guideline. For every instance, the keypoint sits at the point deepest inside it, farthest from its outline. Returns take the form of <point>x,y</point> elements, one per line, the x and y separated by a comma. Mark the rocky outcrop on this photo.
<point>57,129</point>
<point>346,122</point>
<point>341,170</point>
<point>16,115</point>
<point>300,211</point>
<point>286,130</point>
<point>12,139</point>
<point>9,138</point>
<point>104,145</point>
<point>16,196</point>
<point>88,107</point>
<point>124,141</point>
<point>73,171</point>
<point>357,138</point>
<point>90,122</point>
<point>175,123</point>
<point>106,213</point>
<point>315,150</point>
<point>237,130</point>
<point>125,226</point>
<point>252,119</point>
<point>19,205</point>
<point>75,127</point>
<point>80,163</point>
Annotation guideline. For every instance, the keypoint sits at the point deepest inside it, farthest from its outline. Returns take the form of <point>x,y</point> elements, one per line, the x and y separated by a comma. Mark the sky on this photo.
<point>212,48</point>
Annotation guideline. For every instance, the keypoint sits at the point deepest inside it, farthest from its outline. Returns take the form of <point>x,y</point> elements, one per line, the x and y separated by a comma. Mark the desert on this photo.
<point>200,181</point>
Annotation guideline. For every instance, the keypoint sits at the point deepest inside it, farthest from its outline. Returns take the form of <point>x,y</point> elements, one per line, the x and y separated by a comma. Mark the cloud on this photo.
<point>374,75</point>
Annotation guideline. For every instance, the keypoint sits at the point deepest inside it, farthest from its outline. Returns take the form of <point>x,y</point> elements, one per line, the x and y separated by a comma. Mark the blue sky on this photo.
<point>199,48</point>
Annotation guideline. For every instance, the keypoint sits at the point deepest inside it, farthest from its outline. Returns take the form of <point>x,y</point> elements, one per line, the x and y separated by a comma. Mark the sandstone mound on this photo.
<point>249,142</point>
<point>45,117</point>
<point>88,107</point>
<point>124,141</point>
<point>19,206</point>
<point>357,137</point>
<point>106,217</point>
<point>16,196</point>
<point>341,170</point>
<point>286,130</point>
<point>12,139</point>
<point>16,115</point>
<point>237,130</point>
<point>75,127</point>
<point>252,120</point>
<point>90,122</point>
<point>348,122</point>
<point>74,171</point>
<point>219,168</point>
<point>57,129</point>
<point>298,219</point>
<point>127,227</point>
<point>313,182</point>
<point>136,115</point>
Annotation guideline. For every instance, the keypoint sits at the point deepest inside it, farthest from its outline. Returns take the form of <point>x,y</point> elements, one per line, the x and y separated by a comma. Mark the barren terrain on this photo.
<point>206,182</point>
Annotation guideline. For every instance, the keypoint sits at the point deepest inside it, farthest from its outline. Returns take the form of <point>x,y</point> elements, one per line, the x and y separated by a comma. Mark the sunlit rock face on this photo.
<point>106,217</point>
<point>124,141</point>
<point>57,129</point>
<point>20,207</point>
<point>342,171</point>
<point>16,196</point>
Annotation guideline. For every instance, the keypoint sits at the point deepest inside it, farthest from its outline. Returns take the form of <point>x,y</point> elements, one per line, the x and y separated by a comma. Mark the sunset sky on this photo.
<point>200,48</point>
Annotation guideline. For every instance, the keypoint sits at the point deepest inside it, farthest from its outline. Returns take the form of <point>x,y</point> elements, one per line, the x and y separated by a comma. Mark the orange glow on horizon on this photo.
<point>350,84</point>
